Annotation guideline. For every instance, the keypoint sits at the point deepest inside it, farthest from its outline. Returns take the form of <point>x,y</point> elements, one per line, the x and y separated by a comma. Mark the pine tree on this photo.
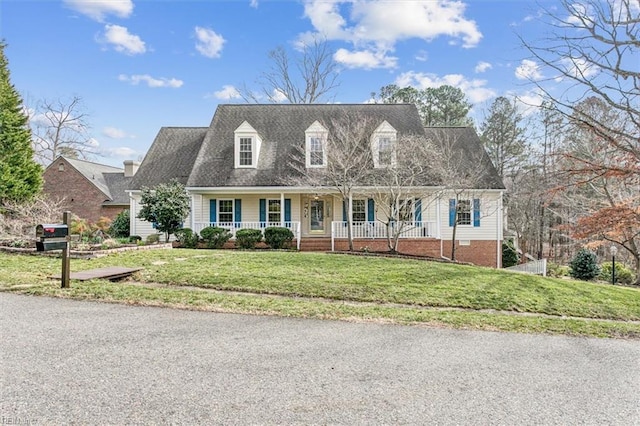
<point>20,175</point>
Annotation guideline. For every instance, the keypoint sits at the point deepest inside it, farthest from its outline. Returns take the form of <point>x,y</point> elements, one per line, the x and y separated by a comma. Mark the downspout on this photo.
<point>498,233</point>
<point>193,219</point>
<point>439,225</point>
<point>132,214</point>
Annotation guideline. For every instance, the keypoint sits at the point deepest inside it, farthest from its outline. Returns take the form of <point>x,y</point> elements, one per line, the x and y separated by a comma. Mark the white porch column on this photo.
<point>192,214</point>
<point>438,219</point>
<point>282,209</point>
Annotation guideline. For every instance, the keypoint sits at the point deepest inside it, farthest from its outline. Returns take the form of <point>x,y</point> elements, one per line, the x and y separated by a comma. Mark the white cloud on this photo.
<point>209,43</point>
<point>93,142</point>
<point>123,41</point>
<point>374,27</point>
<point>99,9</point>
<point>151,81</point>
<point>114,133</point>
<point>122,152</point>
<point>528,70</point>
<point>578,68</point>
<point>278,96</point>
<point>528,103</point>
<point>422,56</point>
<point>365,59</point>
<point>254,4</point>
<point>227,93</point>
<point>475,90</point>
<point>482,67</point>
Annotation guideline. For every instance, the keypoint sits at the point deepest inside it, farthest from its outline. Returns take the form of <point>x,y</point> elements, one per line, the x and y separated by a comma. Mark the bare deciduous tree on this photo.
<point>308,78</point>
<point>348,160</point>
<point>60,127</point>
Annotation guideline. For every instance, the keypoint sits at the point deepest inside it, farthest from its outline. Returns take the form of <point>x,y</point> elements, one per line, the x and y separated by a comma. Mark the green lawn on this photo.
<point>345,287</point>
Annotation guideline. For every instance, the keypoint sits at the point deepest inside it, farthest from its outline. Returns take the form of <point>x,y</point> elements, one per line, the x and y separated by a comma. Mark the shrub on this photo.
<point>153,238</point>
<point>120,226</point>
<point>623,274</point>
<point>248,238</point>
<point>109,243</point>
<point>187,238</point>
<point>509,255</point>
<point>135,238</point>
<point>215,237</point>
<point>556,270</point>
<point>277,237</point>
<point>584,265</point>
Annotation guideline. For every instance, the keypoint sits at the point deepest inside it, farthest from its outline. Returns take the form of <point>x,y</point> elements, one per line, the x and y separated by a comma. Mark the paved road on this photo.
<point>90,363</point>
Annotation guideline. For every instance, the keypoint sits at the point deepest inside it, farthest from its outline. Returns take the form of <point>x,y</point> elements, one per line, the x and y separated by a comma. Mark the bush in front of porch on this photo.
<point>248,238</point>
<point>278,237</point>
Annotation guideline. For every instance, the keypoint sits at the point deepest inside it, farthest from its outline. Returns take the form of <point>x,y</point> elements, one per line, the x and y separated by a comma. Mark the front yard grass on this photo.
<point>317,285</point>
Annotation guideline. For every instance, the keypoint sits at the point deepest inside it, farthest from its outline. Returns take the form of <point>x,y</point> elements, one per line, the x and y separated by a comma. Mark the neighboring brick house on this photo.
<point>89,190</point>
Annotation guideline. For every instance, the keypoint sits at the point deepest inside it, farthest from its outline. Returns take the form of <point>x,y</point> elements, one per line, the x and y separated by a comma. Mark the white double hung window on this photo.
<point>246,152</point>
<point>274,208</point>
<point>315,145</point>
<point>225,211</point>
<point>464,212</point>
<point>359,212</point>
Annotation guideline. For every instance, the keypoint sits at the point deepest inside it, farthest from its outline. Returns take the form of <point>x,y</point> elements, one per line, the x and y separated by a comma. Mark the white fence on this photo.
<point>233,227</point>
<point>379,230</point>
<point>535,267</point>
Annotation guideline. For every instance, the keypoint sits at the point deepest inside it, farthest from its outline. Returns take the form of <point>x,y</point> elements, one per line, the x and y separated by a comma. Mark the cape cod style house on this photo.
<point>238,172</point>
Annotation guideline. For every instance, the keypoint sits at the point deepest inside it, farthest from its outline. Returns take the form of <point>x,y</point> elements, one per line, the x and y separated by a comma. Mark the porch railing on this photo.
<point>233,227</point>
<point>426,229</point>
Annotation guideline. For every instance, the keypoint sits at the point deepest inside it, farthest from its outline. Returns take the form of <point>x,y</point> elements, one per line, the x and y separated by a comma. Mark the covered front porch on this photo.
<point>309,216</point>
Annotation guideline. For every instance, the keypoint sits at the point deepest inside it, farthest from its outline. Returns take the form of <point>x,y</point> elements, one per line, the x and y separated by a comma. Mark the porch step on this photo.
<point>315,244</point>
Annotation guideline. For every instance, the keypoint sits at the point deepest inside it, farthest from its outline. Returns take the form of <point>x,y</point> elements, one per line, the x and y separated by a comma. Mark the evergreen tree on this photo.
<point>503,137</point>
<point>438,106</point>
<point>20,175</point>
<point>584,265</point>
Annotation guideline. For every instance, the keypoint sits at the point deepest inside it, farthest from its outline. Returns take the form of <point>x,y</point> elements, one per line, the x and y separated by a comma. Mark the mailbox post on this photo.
<point>56,237</point>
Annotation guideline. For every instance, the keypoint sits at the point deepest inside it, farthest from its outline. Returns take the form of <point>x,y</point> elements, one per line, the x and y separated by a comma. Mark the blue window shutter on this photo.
<point>238,211</point>
<point>452,211</point>
<point>476,212</point>
<point>263,210</point>
<point>287,209</point>
<point>418,210</point>
<point>213,210</point>
<point>345,208</point>
<point>371,210</point>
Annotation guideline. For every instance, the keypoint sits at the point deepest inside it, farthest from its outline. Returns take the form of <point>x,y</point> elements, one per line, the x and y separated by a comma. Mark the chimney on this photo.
<point>130,167</point>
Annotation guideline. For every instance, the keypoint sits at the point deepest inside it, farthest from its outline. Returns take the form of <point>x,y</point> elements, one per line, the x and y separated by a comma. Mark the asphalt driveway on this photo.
<point>89,363</point>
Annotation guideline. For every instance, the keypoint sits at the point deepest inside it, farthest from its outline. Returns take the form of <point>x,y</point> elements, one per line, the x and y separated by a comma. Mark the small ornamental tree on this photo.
<point>166,206</point>
<point>584,265</point>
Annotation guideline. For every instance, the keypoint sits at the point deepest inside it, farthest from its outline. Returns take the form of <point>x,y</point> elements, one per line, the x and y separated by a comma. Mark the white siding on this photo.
<point>489,223</point>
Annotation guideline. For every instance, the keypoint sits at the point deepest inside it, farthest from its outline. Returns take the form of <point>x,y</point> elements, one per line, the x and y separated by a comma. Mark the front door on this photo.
<point>317,217</point>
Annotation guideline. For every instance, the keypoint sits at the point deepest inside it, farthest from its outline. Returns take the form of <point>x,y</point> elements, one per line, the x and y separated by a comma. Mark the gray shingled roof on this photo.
<point>95,173</point>
<point>204,157</point>
<point>171,156</point>
<point>118,185</point>
<point>467,147</point>
<point>282,130</point>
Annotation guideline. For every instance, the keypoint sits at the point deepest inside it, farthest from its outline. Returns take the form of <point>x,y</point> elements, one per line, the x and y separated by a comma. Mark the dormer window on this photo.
<point>316,145</point>
<point>383,145</point>
<point>385,151</point>
<point>247,146</point>
<point>246,151</point>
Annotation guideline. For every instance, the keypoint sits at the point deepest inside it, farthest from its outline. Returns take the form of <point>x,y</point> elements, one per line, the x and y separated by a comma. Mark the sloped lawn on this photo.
<point>319,285</point>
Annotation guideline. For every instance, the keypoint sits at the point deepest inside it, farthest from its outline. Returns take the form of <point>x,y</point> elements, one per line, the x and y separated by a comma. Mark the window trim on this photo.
<point>246,131</point>
<point>384,131</point>
<point>269,212</point>
<point>364,209</point>
<point>242,140</point>
<point>313,132</point>
<point>460,211</point>
<point>232,213</point>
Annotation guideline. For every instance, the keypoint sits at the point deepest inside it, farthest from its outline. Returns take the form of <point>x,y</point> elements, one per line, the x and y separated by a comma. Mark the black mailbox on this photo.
<point>51,237</point>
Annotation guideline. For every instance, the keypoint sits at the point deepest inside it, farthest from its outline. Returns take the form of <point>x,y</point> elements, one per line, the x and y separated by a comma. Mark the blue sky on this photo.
<point>140,65</point>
